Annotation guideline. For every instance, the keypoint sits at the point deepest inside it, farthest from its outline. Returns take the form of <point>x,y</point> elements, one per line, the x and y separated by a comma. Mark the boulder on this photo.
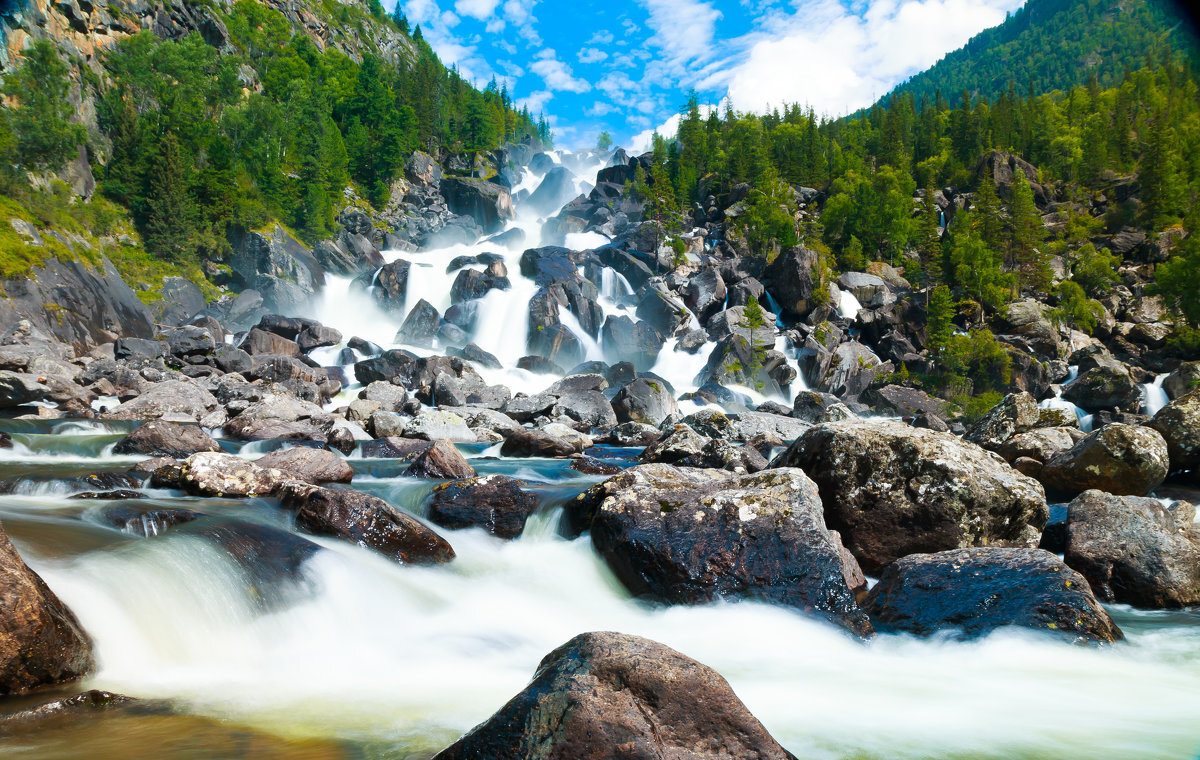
<point>1105,387</point>
<point>1183,380</point>
<point>972,592</point>
<point>1179,424</point>
<point>179,398</point>
<point>441,461</point>
<point>1120,459</point>
<point>439,424</point>
<point>538,443</point>
<point>365,520</point>
<point>1134,550</point>
<point>556,188</point>
<point>644,400</point>
<point>495,503</point>
<point>1040,444</point>
<point>312,465</point>
<point>420,327</point>
<point>41,641</point>
<point>158,438</point>
<point>893,490</point>
<point>280,415</point>
<point>224,475</point>
<point>638,342</point>
<point>688,536</point>
<point>604,696</point>
<point>1016,413</point>
<point>815,407</point>
<point>488,204</point>
<point>790,280</point>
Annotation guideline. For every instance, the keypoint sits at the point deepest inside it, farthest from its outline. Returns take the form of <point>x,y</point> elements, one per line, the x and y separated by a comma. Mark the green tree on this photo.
<point>939,322</point>
<point>755,321</point>
<point>45,136</point>
<point>1026,233</point>
<point>1095,271</point>
<point>169,217</point>
<point>1075,309</point>
<point>603,141</point>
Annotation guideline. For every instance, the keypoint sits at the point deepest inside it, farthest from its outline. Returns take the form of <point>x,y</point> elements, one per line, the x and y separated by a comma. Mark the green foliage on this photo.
<point>1178,280</point>
<point>1026,234</point>
<point>755,321</point>
<point>41,136</point>
<point>1075,309</point>
<point>1095,271</point>
<point>979,358</point>
<point>977,269</point>
<point>939,324</point>
<point>768,219</point>
<point>604,141</point>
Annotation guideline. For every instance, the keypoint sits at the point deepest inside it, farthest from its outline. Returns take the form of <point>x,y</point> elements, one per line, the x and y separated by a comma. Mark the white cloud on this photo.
<point>558,75</point>
<point>591,55</point>
<point>602,37</point>
<point>616,85</point>
<point>642,141</point>
<point>535,101</point>
<point>838,62</point>
<point>600,108</point>
<point>683,29</point>
<point>495,26</point>
<point>480,9</point>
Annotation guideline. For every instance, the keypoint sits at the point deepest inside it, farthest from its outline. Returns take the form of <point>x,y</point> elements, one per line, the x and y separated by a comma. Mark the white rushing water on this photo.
<point>1154,398</point>
<point>415,656</point>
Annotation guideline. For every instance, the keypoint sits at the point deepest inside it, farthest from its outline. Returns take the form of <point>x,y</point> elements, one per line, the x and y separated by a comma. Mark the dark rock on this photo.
<point>537,443</point>
<point>539,365</point>
<point>556,188</point>
<point>903,401</point>
<point>147,522</point>
<point>603,696</point>
<point>637,342</point>
<point>441,461</point>
<point>404,449</point>
<point>705,294</point>
<point>592,466</point>
<point>258,342</point>
<point>41,641</point>
<point>157,438</point>
<point>685,536</point>
<point>365,520</point>
<point>495,503</point>
<point>1016,413</point>
<point>893,490</point>
<point>1119,459</point>
<point>1134,550</point>
<point>790,280</point>
<point>121,495</point>
<point>318,336</point>
<point>975,591</point>
<point>1179,424</point>
<point>420,326</point>
<point>1104,388</point>
<point>647,401</point>
<point>488,204</point>
<point>815,407</point>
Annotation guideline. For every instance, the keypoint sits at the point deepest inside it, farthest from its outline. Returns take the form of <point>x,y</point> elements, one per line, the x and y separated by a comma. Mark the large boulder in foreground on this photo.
<point>687,536</point>
<point>975,591</point>
<point>495,503</point>
<point>1134,550</point>
<point>893,490</point>
<point>365,520</point>
<point>41,641</point>
<point>1179,424</point>
<point>158,438</point>
<point>1120,459</point>
<point>611,696</point>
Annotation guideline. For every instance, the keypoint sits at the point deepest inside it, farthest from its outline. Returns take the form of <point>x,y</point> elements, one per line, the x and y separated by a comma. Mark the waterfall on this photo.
<point>1154,397</point>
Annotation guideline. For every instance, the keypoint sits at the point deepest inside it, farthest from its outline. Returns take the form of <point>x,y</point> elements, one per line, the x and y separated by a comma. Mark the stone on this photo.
<point>312,465</point>
<point>41,640</point>
<point>439,424</point>
<point>157,438</point>
<point>972,592</point>
<point>538,443</point>
<point>688,536</point>
<point>226,475</point>
<point>1134,550</point>
<point>441,461</point>
<point>644,400</point>
<point>1016,413</point>
<point>815,407</point>
<point>1179,424</point>
<point>365,520</point>
<point>893,490</point>
<point>1104,387</point>
<point>1120,459</point>
<point>180,398</point>
<point>605,696</point>
<point>495,503</point>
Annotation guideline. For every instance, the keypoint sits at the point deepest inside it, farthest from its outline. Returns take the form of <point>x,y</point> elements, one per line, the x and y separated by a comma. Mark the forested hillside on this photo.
<point>195,134</point>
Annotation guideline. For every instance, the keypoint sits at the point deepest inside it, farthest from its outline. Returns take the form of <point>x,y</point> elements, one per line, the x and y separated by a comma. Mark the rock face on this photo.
<point>1179,423</point>
<point>893,490</point>
<point>978,590</point>
<point>1134,550</point>
<point>495,503</point>
<point>1119,459</point>
<point>365,520</point>
<point>611,696</point>
<point>41,642</point>
<point>166,439</point>
<point>314,466</point>
<point>176,397</point>
<point>1017,413</point>
<point>684,536</point>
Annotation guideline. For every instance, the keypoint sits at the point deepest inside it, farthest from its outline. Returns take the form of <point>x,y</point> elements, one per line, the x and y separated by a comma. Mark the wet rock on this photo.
<point>1179,424</point>
<point>488,204</point>
<point>1119,459</point>
<point>213,474</point>
<point>283,416</point>
<point>394,447</point>
<point>41,641</point>
<point>318,336</point>
<point>365,520</point>
<point>975,591</point>
<point>157,438</point>
<point>147,522</point>
<point>633,434</point>
<point>1183,380</point>
<point>1016,413</point>
<point>1105,387</point>
<point>316,466</point>
<point>592,466</point>
<point>538,443</point>
<point>1134,550</point>
<point>441,461</point>
<point>790,280</point>
<point>893,490</point>
<point>902,401</point>
<point>637,342</point>
<point>814,407</point>
<point>119,495</point>
<point>421,325</point>
<point>260,342</point>
<point>539,365</point>
<point>495,503</point>
<point>603,696</point>
<point>687,536</point>
<point>1040,445</point>
<point>644,400</point>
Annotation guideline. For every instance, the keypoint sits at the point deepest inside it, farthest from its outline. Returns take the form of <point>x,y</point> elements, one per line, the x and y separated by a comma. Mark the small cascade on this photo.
<point>1058,402</point>
<point>848,306</point>
<point>1154,397</point>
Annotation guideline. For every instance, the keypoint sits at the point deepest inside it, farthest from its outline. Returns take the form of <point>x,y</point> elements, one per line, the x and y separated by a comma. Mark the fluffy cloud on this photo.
<point>683,30</point>
<point>558,75</point>
<point>480,9</point>
<point>535,101</point>
<point>591,55</point>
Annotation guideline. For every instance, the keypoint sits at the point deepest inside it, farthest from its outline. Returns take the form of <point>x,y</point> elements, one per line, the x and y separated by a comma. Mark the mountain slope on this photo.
<point>1058,44</point>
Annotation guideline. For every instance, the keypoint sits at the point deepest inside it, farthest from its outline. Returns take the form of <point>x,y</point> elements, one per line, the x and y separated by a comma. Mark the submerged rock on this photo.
<point>892,490</point>
<point>687,536</point>
<point>41,641</point>
<point>975,591</point>
<point>495,503</point>
<point>365,520</point>
<point>611,696</point>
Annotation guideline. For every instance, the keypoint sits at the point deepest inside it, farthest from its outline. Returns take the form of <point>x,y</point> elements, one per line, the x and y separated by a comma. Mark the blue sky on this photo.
<point>627,65</point>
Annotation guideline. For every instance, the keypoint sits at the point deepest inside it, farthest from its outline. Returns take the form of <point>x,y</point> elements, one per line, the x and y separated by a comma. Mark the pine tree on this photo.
<point>168,226</point>
<point>45,137</point>
<point>1026,233</point>
<point>939,324</point>
<point>929,242</point>
<point>755,321</point>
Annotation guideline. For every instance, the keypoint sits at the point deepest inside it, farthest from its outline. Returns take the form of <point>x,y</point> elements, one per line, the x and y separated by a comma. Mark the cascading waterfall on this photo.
<point>1154,397</point>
